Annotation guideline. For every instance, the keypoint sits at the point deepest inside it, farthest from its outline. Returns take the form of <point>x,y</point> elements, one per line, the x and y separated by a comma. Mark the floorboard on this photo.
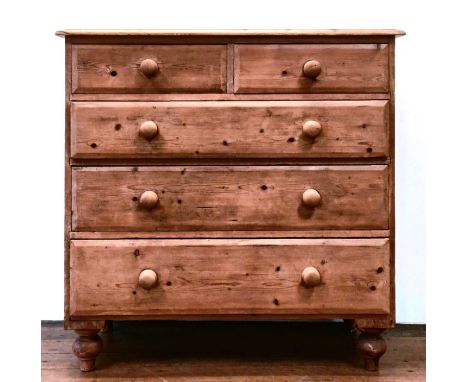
<point>233,351</point>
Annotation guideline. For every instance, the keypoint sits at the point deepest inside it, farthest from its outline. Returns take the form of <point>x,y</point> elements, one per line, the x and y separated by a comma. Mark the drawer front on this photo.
<point>229,198</point>
<point>165,68</point>
<point>342,68</point>
<point>249,129</point>
<point>229,277</point>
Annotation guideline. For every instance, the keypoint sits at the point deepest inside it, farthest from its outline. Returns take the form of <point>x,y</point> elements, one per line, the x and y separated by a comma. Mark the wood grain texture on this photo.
<point>379,323</point>
<point>346,68</point>
<point>229,97</point>
<point>230,198</point>
<point>233,234</point>
<point>218,176</point>
<point>83,324</point>
<point>229,277</point>
<point>192,352</point>
<point>216,40</point>
<point>86,348</point>
<point>230,32</point>
<point>266,129</point>
<point>67,185</point>
<point>182,69</point>
<point>391,177</point>
<point>225,161</point>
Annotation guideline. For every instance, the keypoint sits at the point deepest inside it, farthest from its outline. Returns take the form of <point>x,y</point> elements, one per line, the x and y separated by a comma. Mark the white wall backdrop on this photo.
<point>32,128</point>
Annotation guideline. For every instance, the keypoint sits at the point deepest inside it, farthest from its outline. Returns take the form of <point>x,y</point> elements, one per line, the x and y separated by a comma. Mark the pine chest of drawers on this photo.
<point>229,175</point>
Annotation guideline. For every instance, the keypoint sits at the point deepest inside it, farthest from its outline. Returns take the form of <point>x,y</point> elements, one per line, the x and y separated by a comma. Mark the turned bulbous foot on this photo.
<point>86,347</point>
<point>371,346</point>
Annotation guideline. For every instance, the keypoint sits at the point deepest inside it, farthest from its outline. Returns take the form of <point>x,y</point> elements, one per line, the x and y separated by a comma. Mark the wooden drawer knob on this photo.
<point>312,69</point>
<point>147,279</point>
<point>311,129</point>
<point>311,198</point>
<point>311,276</point>
<point>148,130</point>
<point>148,200</point>
<point>149,68</point>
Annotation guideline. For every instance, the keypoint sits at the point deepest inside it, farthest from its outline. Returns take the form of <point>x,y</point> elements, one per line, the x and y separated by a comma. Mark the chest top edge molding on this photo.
<point>230,32</point>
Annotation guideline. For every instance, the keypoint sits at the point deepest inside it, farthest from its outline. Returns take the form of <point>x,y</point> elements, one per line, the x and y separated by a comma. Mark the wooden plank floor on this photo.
<point>233,351</point>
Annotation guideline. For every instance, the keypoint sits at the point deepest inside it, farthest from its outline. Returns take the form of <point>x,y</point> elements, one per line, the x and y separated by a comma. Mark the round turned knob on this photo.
<point>148,200</point>
<point>149,68</point>
<point>147,279</point>
<point>148,130</point>
<point>311,129</point>
<point>312,69</point>
<point>311,276</point>
<point>311,198</point>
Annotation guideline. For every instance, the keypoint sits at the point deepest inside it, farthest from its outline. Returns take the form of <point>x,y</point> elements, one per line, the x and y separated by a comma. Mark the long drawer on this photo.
<point>239,129</point>
<point>148,68</point>
<point>197,198</point>
<point>311,68</point>
<point>229,277</point>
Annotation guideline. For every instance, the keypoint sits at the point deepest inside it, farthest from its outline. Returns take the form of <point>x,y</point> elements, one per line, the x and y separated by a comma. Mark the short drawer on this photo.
<point>311,68</point>
<point>230,129</point>
<point>149,68</point>
<point>168,278</point>
<point>197,198</point>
